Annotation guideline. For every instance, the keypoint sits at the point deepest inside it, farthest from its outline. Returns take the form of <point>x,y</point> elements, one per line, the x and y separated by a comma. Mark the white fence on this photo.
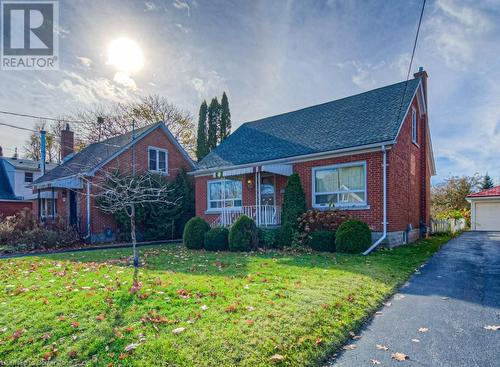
<point>263,215</point>
<point>449,225</point>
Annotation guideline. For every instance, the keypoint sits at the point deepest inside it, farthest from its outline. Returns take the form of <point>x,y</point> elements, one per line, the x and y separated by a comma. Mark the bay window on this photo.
<point>224,194</point>
<point>158,160</point>
<point>340,185</point>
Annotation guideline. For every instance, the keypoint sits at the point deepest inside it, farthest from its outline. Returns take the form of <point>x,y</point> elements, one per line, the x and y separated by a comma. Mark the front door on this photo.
<point>73,220</point>
<point>267,201</point>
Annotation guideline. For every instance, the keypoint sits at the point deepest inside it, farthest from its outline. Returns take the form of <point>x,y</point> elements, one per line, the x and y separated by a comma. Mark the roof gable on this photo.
<point>494,191</point>
<point>363,119</point>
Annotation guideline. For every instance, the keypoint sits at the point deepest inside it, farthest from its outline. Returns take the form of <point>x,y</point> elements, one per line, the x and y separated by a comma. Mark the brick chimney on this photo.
<point>67,142</point>
<point>422,74</point>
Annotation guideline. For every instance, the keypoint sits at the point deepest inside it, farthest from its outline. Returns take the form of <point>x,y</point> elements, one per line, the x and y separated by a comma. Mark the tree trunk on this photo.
<point>132,235</point>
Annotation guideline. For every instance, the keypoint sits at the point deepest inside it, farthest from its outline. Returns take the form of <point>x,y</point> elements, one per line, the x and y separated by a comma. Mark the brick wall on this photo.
<point>8,208</point>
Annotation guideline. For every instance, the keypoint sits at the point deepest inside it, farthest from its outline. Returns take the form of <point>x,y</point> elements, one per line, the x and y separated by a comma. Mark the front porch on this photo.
<point>256,192</point>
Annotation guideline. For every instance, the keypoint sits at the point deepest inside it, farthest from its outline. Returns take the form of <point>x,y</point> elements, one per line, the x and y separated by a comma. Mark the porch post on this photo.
<point>256,195</point>
<point>53,204</point>
<point>39,202</point>
<point>223,209</point>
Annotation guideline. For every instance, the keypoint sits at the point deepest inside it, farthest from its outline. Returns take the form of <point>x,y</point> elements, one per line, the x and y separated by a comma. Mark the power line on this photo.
<point>41,117</point>
<point>17,127</point>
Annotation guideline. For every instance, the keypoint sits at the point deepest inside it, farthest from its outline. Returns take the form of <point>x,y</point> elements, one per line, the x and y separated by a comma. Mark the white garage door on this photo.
<point>488,216</point>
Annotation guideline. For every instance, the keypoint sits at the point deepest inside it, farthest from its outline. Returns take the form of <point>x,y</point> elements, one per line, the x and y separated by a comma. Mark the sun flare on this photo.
<point>125,55</point>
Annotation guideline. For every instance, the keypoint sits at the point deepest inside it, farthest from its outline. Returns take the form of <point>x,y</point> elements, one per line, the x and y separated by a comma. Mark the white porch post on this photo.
<point>223,209</point>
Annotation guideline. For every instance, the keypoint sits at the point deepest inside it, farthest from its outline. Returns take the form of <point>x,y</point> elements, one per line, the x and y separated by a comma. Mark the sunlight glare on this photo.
<point>125,55</point>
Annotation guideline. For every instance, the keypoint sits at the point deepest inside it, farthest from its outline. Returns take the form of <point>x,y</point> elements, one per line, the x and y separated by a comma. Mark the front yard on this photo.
<point>193,308</point>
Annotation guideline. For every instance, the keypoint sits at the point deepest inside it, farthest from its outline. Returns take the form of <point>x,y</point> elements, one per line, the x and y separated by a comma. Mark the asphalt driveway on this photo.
<point>438,318</point>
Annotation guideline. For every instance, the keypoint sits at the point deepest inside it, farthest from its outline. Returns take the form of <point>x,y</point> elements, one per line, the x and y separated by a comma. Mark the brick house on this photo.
<point>338,149</point>
<point>67,192</point>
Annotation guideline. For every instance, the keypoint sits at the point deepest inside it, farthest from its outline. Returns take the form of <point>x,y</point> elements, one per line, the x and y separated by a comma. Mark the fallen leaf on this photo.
<point>374,361</point>
<point>75,324</point>
<point>130,347</point>
<point>382,347</point>
<point>378,313</point>
<point>178,330</point>
<point>72,354</point>
<point>249,322</point>
<point>492,327</point>
<point>387,304</point>
<point>277,358</point>
<point>17,334</point>
<point>399,356</point>
<point>100,317</point>
<point>319,341</point>
<point>445,298</point>
<point>423,330</point>
<point>47,356</point>
<point>349,347</point>
<point>204,307</point>
<point>416,340</point>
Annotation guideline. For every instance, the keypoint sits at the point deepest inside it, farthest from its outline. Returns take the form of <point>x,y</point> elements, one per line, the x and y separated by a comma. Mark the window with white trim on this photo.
<point>224,194</point>
<point>158,160</point>
<point>340,185</point>
<point>48,208</point>
<point>414,126</point>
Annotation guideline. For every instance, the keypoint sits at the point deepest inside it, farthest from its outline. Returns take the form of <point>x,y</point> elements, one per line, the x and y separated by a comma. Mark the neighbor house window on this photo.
<point>414,126</point>
<point>340,185</point>
<point>158,161</point>
<point>48,208</point>
<point>224,194</point>
<point>28,177</point>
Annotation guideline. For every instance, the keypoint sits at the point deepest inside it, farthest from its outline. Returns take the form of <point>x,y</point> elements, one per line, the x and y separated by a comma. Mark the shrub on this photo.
<point>194,233</point>
<point>353,237</point>
<point>322,241</point>
<point>243,235</point>
<point>284,236</point>
<point>267,237</point>
<point>315,220</point>
<point>216,239</point>
<point>294,201</point>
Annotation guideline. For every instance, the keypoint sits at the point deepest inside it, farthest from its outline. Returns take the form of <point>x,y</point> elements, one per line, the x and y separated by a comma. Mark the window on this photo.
<point>341,185</point>
<point>158,161</point>
<point>48,208</point>
<point>414,129</point>
<point>28,177</point>
<point>224,194</point>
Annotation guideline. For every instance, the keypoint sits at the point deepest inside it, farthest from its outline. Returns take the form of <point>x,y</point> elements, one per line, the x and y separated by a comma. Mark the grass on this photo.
<point>237,309</point>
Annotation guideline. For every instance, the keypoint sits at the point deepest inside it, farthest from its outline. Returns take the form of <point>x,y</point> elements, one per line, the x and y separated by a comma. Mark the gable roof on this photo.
<point>6,192</point>
<point>28,164</point>
<point>364,119</point>
<point>96,155</point>
<point>494,191</point>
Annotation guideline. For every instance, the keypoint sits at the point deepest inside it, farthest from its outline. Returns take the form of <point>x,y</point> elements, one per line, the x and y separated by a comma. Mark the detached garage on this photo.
<point>485,210</point>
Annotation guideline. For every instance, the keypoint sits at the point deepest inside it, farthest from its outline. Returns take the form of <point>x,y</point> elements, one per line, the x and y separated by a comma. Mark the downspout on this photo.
<point>384,184</point>
<point>88,210</point>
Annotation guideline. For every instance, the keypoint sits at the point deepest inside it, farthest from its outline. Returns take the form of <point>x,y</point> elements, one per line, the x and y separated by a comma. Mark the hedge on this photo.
<point>243,235</point>
<point>322,241</point>
<point>216,239</point>
<point>194,233</point>
<point>353,237</point>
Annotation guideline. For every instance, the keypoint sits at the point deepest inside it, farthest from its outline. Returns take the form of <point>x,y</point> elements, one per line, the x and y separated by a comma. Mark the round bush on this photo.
<point>284,236</point>
<point>194,233</point>
<point>217,239</point>
<point>267,237</point>
<point>322,241</point>
<point>353,237</point>
<point>243,235</point>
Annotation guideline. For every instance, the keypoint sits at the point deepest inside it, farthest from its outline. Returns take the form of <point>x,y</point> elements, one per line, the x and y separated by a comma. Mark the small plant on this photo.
<point>243,235</point>
<point>315,220</point>
<point>284,236</point>
<point>322,241</point>
<point>353,237</point>
<point>267,237</point>
<point>216,239</point>
<point>194,233</point>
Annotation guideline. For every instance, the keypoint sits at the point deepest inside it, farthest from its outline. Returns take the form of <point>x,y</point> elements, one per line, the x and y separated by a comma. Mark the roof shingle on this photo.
<point>494,191</point>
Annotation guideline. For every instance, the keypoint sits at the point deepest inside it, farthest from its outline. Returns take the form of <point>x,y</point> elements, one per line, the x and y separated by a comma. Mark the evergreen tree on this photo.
<point>213,123</point>
<point>487,182</point>
<point>201,142</point>
<point>294,201</point>
<point>225,118</point>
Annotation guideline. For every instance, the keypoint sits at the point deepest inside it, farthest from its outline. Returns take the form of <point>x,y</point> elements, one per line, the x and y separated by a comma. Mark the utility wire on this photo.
<point>41,117</point>
<point>411,59</point>
<point>17,127</point>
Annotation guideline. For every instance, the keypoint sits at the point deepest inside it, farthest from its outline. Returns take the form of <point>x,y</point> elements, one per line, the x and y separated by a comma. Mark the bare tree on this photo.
<point>118,192</point>
<point>52,139</point>
<point>451,193</point>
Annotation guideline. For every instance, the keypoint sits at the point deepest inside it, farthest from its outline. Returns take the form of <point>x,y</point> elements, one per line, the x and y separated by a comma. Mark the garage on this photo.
<point>485,210</point>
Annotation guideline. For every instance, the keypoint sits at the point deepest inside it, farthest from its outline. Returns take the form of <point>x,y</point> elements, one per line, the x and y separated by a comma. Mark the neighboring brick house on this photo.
<point>67,192</point>
<point>338,149</point>
<point>16,177</point>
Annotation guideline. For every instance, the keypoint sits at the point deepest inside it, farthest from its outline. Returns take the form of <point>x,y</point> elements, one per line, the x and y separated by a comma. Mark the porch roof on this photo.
<point>363,119</point>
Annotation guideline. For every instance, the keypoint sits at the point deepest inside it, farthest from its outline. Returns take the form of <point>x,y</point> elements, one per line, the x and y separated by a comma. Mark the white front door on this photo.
<point>268,215</point>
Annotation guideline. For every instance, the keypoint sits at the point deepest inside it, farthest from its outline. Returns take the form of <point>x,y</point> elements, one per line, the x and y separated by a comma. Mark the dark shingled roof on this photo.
<point>366,118</point>
<point>91,156</point>
<point>6,192</point>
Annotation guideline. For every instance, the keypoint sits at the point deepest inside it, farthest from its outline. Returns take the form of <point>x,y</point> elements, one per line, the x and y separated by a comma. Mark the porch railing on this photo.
<point>263,215</point>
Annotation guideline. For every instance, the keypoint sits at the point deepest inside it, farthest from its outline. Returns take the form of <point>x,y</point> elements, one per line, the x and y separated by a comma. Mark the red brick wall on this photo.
<point>8,208</point>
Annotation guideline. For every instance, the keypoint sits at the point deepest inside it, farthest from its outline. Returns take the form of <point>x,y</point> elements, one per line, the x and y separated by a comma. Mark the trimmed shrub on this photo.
<point>294,201</point>
<point>194,233</point>
<point>284,236</point>
<point>243,235</point>
<point>353,237</point>
<point>322,241</point>
<point>267,237</point>
<point>217,239</point>
<point>315,220</point>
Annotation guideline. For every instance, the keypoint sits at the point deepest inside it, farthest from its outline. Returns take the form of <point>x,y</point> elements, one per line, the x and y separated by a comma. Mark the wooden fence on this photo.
<point>449,225</point>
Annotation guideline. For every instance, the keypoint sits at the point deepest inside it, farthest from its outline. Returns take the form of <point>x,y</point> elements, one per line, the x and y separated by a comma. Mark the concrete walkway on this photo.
<point>451,299</point>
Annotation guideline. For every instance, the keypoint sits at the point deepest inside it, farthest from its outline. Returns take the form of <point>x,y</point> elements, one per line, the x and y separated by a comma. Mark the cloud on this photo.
<point>85,61</point>
<point>182,5</point>
<point>212,84</point>
<point>182,28</point>
<point>149,6</point>
<point>125,80</point>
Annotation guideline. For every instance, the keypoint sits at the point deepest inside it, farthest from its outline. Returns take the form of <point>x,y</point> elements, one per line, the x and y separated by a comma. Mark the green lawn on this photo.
<point>226,309</point>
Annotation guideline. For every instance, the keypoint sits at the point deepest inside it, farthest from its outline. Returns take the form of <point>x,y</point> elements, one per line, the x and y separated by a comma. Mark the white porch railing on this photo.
<point>263,215</point>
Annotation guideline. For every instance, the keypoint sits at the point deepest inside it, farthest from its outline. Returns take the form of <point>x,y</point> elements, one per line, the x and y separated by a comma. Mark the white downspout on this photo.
<point>384,179</point>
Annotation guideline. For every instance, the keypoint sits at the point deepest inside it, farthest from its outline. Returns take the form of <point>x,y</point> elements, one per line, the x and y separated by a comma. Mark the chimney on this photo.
<point>422,74</point>
<point>67,142</point>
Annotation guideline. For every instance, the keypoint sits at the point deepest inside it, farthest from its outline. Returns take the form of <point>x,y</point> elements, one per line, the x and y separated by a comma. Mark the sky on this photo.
<point>276,56</point>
